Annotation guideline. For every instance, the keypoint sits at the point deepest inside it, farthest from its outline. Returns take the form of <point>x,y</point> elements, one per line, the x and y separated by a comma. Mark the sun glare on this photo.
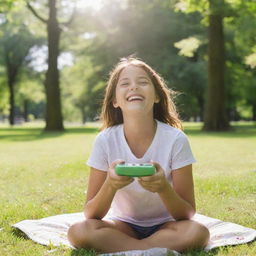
<point>94,4</point>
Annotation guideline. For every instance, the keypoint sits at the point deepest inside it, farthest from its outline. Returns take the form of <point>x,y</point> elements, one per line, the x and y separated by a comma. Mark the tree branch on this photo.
<point>31,8</point>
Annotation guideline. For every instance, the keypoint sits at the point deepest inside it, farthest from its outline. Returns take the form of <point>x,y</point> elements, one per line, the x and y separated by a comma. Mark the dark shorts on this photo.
<point>143,232</point>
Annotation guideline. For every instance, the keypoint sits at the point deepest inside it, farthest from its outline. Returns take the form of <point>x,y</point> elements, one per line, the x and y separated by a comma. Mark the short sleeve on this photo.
<point>98,157</point>
<point>181,153</point>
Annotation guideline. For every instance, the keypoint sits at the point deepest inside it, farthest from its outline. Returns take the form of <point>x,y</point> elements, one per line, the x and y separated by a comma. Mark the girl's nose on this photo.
<point>134,86</point>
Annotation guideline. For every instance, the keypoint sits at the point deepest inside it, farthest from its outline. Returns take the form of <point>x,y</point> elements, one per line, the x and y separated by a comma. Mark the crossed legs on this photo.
<point>113,236</point>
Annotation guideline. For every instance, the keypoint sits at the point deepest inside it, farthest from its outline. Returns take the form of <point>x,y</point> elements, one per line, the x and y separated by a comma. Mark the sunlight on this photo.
<point>94,4</point>
<point>37,59</point>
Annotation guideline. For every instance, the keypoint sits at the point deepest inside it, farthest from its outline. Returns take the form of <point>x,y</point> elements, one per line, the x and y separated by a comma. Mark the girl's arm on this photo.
<point>179,199</point>
<point>101,191</point>
<point>97,207</point>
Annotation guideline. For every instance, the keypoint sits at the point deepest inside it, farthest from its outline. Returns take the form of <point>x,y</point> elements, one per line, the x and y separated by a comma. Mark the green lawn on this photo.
<point>43,174</point>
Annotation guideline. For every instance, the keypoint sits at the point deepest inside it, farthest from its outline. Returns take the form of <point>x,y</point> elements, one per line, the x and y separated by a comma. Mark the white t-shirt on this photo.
<point>170,148</point>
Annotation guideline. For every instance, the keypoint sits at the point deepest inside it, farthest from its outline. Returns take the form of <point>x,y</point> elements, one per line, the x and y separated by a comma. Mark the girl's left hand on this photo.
<point>156,182</point>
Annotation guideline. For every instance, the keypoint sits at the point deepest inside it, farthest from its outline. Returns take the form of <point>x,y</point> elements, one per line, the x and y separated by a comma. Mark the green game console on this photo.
<point>135,170</point>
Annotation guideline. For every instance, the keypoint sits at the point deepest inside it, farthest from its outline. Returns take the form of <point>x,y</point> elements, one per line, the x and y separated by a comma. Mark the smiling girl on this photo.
<point>140,125</point>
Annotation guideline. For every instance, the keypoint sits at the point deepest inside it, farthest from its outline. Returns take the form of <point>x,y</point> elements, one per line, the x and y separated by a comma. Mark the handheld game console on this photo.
<point>135,170</point>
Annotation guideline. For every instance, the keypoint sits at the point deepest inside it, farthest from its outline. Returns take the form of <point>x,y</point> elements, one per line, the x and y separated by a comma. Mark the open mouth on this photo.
<point>135,98</point>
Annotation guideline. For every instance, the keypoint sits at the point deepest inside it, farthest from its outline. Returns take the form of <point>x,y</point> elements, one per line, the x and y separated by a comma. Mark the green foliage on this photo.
<point>240,42</point>
<point>6,5</point>
<point>240,34</point>
<point>188,46</point>
<point>250,60</point>
<point>30,89</point>
<point>81,93</point>
<point>15,42</point>
<point>188,6</point>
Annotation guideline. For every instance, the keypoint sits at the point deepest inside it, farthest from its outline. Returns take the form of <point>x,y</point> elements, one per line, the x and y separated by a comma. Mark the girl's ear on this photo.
<point>157,99</point>
<point>114,102</point>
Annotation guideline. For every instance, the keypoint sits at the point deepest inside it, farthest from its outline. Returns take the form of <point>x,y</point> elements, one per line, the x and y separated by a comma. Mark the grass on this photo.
<point>44,174</point>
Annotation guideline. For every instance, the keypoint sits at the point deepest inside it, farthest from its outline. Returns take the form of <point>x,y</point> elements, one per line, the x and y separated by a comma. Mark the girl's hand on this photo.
<point>117,181</point>
<point>155,183</point>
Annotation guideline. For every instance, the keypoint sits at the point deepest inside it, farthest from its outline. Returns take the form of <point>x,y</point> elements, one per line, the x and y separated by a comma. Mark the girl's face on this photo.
<point>134,91</point>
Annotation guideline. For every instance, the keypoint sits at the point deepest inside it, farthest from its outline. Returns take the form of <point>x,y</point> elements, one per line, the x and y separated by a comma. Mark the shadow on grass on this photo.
<point>18,233</point>
<point>29,134</point>
<point>202,253</point>
<point>236,131</point>
<point>83,252</point>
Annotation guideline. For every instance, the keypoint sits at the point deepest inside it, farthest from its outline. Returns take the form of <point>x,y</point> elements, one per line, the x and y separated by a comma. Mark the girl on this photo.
<point>140,125</point>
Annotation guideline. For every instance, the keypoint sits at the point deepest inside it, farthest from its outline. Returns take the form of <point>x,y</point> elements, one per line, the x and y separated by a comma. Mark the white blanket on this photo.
<point>53,230</point>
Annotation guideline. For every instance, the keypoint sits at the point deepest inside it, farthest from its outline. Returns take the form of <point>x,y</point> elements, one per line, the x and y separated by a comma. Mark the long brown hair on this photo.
<point>164,111</point>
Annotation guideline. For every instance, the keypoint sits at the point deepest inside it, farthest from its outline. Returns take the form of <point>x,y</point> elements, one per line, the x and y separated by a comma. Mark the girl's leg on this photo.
<point>180,236</point>
<point>105,236</point>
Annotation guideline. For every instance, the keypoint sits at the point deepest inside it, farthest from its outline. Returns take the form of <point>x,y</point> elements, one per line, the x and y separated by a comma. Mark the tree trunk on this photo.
<point>54,120</point>
<point>254,112</point>
<point>11,74</point>
<point>25,110</point>
<point>215,114</point>
<point>11,102</point>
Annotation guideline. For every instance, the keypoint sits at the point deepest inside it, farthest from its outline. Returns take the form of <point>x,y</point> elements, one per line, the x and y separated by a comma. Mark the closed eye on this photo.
<point>143,82</point>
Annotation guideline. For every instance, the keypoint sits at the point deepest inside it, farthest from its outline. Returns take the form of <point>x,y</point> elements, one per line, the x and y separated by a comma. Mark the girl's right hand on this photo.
<point>117,181</point>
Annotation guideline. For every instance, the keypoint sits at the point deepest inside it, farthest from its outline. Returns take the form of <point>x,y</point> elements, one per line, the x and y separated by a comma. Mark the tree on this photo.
<point>237,19</point>
<point>215,114</point>
<point>54,119</point>
<point>215,118</point>
<point>15,44</point>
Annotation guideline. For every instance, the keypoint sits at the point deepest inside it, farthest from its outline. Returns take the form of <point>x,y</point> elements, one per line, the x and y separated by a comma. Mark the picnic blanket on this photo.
<point>53,230</point>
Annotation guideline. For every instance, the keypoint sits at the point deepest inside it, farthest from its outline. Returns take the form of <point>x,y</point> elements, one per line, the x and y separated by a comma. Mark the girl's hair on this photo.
<point>164,111</point>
